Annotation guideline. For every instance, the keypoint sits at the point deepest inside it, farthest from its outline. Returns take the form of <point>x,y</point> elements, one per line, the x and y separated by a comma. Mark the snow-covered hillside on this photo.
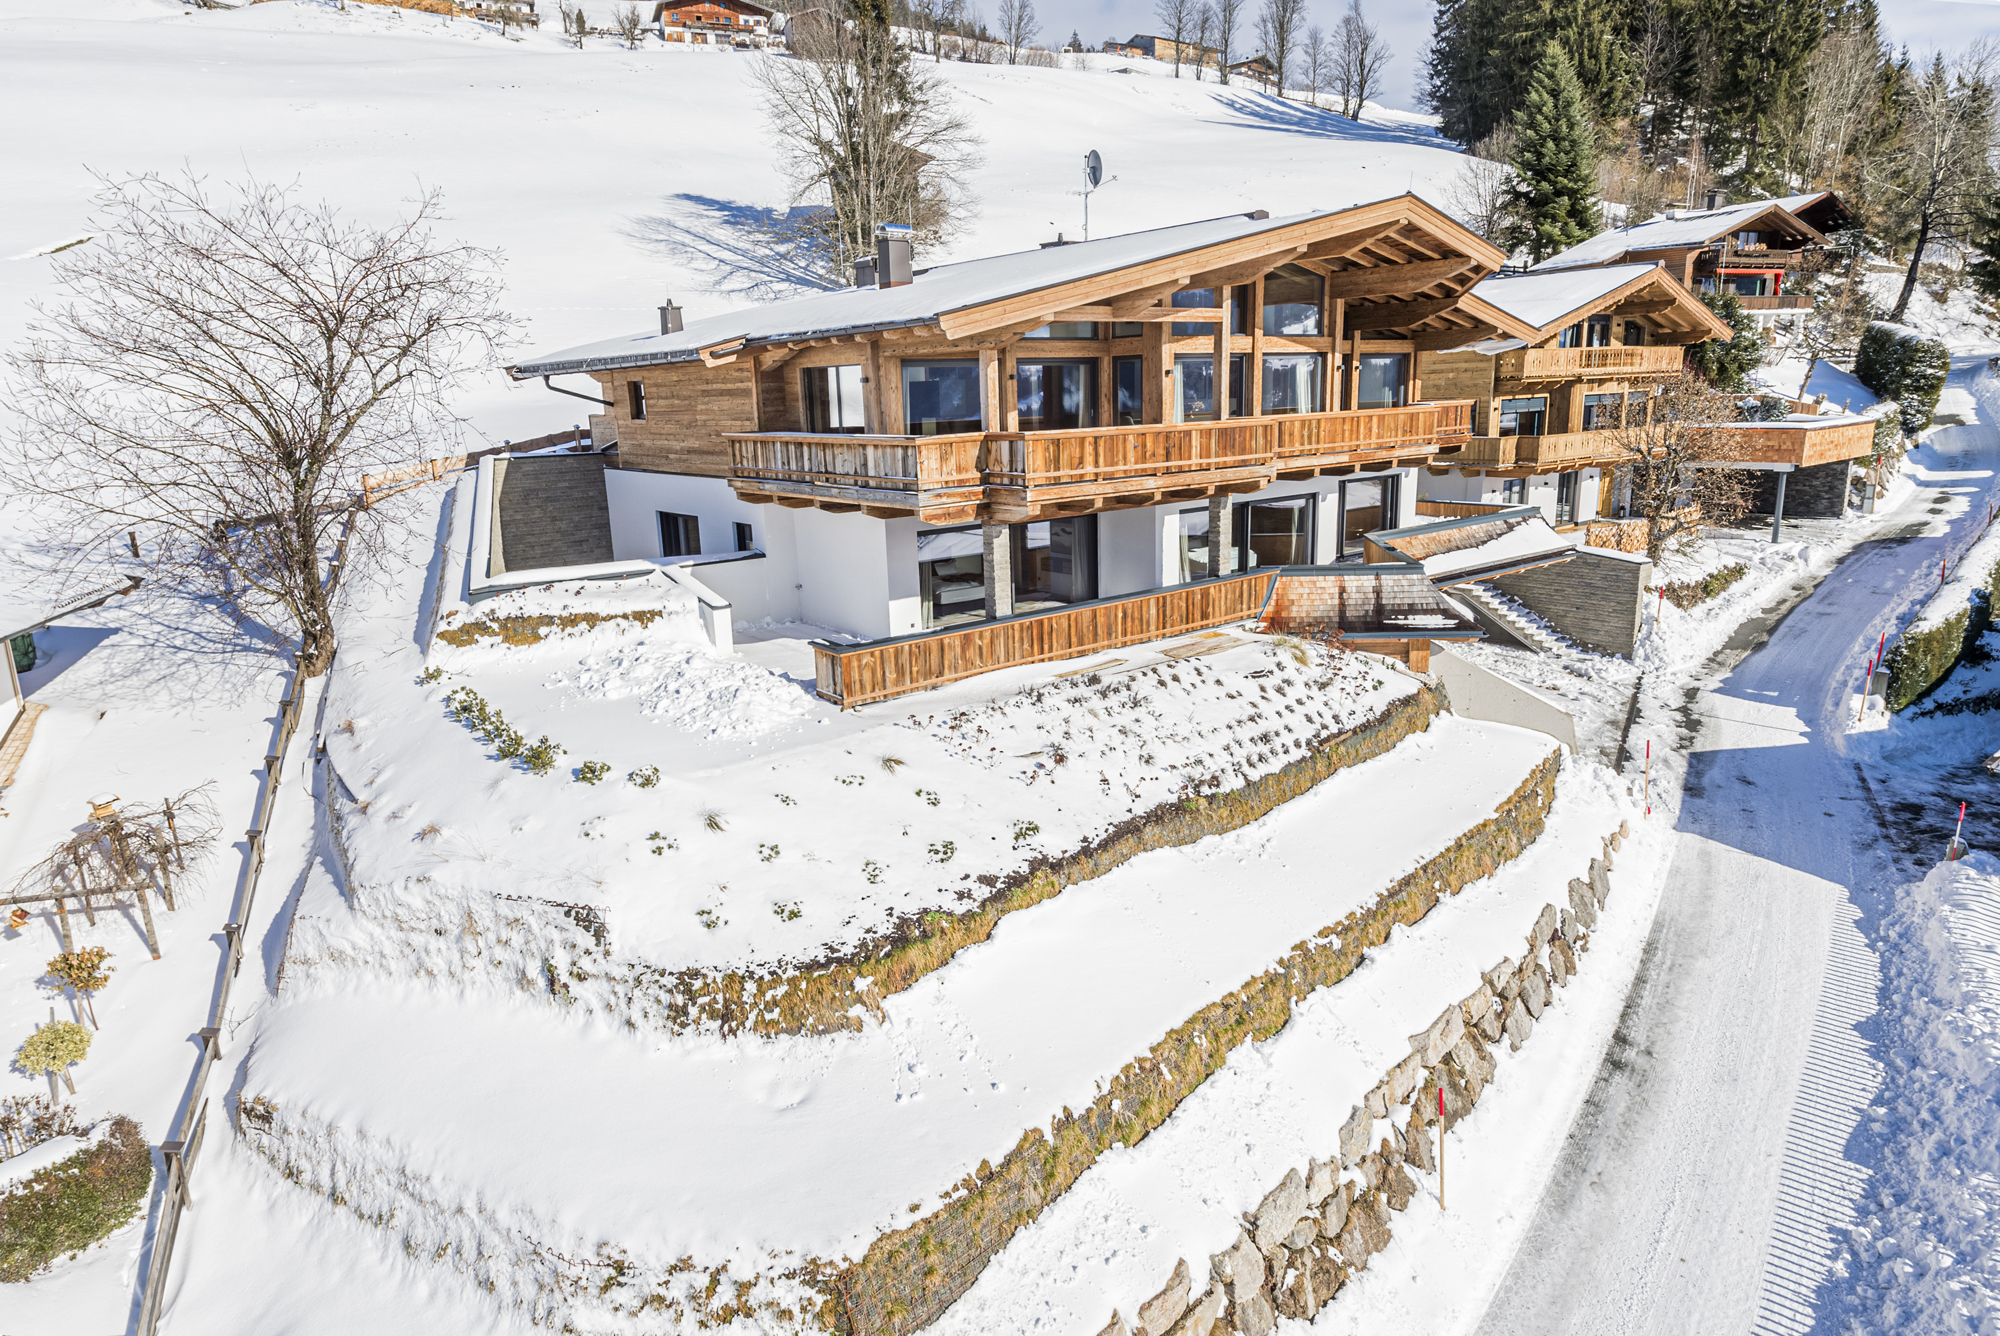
<point>612,179</point>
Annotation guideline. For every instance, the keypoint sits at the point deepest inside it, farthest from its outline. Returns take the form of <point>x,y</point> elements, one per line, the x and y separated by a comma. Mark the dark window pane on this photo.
<point>940,398</point>
<point>1065,329</point>
<point>1197,298</point>
<point>1523,417</point>
<point>1127,329</point>
<point>1382,380</point>
<point>833,399</point>
<point>1128,405</point>
<point>680,535</point>
<point>1292,382</point>
<point>1292,300</point>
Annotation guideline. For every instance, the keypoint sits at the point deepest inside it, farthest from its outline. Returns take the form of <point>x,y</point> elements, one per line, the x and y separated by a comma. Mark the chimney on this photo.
<point>892,255</point>
<point>1715,199</point>
<point>670,319</point>
<point>864,272</point>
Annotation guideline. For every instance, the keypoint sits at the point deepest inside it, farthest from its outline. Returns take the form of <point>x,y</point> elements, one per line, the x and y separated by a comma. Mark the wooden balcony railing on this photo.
<point>1008,476</point>
<point>1558,453</point>
<point>1789,301</point>
<point>1572,363</point>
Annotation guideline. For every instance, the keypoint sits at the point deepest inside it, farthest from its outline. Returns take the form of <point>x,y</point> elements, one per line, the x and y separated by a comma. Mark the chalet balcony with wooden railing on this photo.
<point>1011,477</point>
<point>1662,359</point>
<point>1557,453</point>
<point>1785,301</point>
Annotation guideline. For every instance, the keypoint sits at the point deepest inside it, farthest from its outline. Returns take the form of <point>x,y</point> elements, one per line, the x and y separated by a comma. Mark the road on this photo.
<point>1707,1181</point>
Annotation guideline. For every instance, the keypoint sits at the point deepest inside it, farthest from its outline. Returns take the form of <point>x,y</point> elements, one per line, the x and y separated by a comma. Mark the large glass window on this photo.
<point>951,575</point>
<point>1597,332</point>
<point>680,535</point>
<point>1523,417</point>
<point>1635,334</point>
<point>1749,285</point>
<point>1383,380</point>
<point>1292,382</point>
<point>1056,396</point>
<point>1571,337</point>
<point>1292,300</point>
<point>1600,411</point>
<point>833,399</point>
<point>1127,329</point>
<point>1196,374</point>
<point>1566,493</point>
<point>1365,506</point>
<point>940,397</point>
<point>1128,391</point>
<point>1055,561</point>
<point>1194,299</point>
<point>1276,533</point>
<point>1192,526</point>
<point>1513,491</point>
<point>1065,329</point>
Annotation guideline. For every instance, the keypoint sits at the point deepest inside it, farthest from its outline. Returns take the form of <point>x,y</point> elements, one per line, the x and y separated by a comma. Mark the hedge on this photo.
<point>1921,658</point>
<point>72,1204</point>
<point>1900,363</point>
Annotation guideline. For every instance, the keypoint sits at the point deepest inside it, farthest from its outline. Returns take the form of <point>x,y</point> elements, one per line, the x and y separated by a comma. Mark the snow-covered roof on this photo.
<point>1544,299</point>
<point>1479,547</point>
<point>26,610</point>
<point>927,298</point>
<point>1680,227</point>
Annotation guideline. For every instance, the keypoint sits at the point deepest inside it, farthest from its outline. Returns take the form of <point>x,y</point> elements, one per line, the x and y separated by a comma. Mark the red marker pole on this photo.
<point>1649,776</point>
<point>1953,856</point>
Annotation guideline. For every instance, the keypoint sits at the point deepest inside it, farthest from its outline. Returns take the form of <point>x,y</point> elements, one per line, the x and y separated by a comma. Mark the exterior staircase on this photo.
<point>1501,618</point>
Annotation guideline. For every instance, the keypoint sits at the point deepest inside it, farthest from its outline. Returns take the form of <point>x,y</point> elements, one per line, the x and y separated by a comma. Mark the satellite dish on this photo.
<point>1093,167</point>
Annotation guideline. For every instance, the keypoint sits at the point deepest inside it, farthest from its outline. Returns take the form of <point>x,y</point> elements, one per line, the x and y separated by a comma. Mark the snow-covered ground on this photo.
<point>613,180</point>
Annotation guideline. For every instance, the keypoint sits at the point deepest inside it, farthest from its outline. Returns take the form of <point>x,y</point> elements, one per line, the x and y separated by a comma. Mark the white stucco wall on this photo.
<point>758,591</point>
<point>1455,486</point>
<point>843,565</point>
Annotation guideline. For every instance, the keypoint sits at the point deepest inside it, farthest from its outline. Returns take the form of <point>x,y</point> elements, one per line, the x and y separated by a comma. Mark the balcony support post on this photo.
<point>1221,537</point>
<point>996,542</point>
<point>1778,507</point>
<point>989,390</point>
<point>1221,359</point>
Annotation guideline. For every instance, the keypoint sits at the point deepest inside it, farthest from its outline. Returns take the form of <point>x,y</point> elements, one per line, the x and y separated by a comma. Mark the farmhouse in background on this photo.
<point>739,23</point>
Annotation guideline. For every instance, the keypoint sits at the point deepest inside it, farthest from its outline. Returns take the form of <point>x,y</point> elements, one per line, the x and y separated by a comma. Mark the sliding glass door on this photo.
<point>1196,374</point>
<point>1365,506</point>
<point>1056,395</point>
<point>1275,533</point>
<point>1128,393</point>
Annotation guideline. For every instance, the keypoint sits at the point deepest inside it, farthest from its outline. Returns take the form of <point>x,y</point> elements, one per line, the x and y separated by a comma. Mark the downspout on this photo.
<point>587,398</point>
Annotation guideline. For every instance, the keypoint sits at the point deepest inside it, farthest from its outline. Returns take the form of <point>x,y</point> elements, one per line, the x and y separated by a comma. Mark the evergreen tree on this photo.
<point>1724,363</point>
<point>1555,199</point>
<point>1462,81</point>
<point>1589,33</point>
<point>1984,272</point>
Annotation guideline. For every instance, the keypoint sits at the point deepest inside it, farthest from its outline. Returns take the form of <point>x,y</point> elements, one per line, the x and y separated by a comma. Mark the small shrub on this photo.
<point>84,971</point>
<point>787,912</point>
<point>767,853</point>
<point>852,780</point>
<point>891,764</point>
<point>709,919</point>
<point>54,1047</point>
<point>661,843</point>
<point>1025,831</point>
<point>786,799</point>
<point>713,820</point>
<point>540,758</point>
<point>430,675</point>
<point>645,776</point>
<point>26,1121</point>
<point>929,797</point>
<point>592,771</point>
<point>1686,594</point>
<point>871,870</point>
<point>942,851</point>
<point>68,1206</point>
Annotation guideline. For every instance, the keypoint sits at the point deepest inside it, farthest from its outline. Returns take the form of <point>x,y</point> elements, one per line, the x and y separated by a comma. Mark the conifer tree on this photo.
<point>1555,199</point>
<point>1985,270</point>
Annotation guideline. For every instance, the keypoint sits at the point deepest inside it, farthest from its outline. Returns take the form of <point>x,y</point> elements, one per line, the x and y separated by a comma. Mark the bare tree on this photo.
<point>1943,162</point>
<point>1659,56</point>
<point>1481,195</point>
<point>508,15</point>
<point>221,371</point>
<point>573,24</point>
<point>867,136</point>
<point>1360,54</point>
<point>1177,19</point>
<point>1228,19</point>
<point>1318,57</point>
<point>1278,24</point>
<point>1676,452</point>
<point>1839,98</point>
<point>1018,26</point>
<point>630,23</point>
<point>1204,33</point>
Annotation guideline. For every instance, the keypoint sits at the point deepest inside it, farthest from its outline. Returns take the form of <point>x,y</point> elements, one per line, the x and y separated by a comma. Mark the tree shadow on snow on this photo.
<point>1299,118</point>
<point>745,249</point>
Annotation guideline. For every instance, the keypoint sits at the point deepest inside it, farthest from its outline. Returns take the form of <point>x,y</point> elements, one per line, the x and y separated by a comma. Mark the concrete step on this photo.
<point>1513,623</point>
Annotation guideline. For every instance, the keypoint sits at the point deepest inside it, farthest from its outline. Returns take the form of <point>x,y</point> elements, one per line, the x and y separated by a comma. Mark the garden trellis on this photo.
<point>118,857</point>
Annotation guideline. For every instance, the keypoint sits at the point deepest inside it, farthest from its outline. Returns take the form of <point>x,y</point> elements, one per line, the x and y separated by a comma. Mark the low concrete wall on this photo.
<point>1475,693</point>
<point>1597,598</point>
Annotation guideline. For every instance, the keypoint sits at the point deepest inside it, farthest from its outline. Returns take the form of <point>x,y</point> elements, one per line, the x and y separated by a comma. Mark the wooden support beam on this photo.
<point>837,507</point>
<point>887,512</point>
<point>1129,305</point>
<point>1346,244</point>
<point>1642,308</point>
<point>1402,315</point>
<point>1387,279</point>
<point>1093,313</point>
<point>1439,340</point>
<point>796,502</point>
<point>1244,271</point>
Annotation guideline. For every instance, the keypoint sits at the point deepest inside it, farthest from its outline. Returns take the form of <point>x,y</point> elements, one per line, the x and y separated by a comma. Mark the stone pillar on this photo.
<point>997,545</point>
<point>1221,536</point>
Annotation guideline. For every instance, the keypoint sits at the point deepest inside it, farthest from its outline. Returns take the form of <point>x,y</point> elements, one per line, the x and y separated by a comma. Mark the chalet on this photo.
<point>1256,67</point>
<point>739,23</point>
<point>1753,250</point>
<point>970,442</point>
<point>1163,48</point>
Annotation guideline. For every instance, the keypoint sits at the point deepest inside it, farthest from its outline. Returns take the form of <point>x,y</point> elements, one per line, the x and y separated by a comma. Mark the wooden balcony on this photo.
<point>1784,302</point>
<point>1012,477</point>
<point>1457,510</point>
<point>1588,363</point>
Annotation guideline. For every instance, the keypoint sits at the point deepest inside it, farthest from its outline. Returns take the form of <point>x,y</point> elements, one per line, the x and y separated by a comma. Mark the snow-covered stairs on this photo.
<point>1501,613</point>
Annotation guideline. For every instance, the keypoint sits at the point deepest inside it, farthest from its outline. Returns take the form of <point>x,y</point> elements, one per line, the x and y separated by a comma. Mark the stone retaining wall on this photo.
<point>908,1278</point>
<point>1317,1228</point>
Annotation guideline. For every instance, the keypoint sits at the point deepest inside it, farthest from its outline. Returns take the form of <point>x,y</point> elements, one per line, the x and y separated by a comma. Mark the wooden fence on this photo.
<point>191,1126</point>
<point>858,674</point>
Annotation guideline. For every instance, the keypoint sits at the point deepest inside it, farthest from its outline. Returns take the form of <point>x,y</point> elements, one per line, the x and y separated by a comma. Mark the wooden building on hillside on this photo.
<point>1059,425</point>
<point>739,23</point>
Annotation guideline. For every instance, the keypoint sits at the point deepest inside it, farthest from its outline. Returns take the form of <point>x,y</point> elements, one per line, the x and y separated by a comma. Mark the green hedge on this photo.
<point>72,1204</point>
<point>1901,364</point>
<point>1920,659</point>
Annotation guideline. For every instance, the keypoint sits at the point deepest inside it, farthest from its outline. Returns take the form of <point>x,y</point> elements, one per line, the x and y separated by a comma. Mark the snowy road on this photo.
<point>1706,1178</point>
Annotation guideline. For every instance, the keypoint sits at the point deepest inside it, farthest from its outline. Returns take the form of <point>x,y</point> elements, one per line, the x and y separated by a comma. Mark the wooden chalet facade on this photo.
<point>1051,427</point>
<point>1755,250</point>
<point>713,22</point>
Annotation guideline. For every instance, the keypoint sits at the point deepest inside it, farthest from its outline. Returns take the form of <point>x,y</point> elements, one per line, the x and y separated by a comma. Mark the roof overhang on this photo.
<point>1682,304</point>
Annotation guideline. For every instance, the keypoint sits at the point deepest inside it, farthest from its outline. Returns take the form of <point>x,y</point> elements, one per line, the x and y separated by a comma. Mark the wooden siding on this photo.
<point>690,410</point>
<point>1806,445</point>
<point>1453,510</point>
<point>856,675</point>
<point>1570,363</point>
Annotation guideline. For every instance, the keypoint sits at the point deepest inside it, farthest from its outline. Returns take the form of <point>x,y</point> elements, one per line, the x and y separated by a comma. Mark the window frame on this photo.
<point>635,400</point>
<point>686,530</point>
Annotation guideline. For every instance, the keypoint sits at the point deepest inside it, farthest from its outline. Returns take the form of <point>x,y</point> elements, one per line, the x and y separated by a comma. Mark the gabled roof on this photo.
<point>1684,227</point>
<point>1552,300</point>
<point>1478,547</point>
<point>1442,259</point>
